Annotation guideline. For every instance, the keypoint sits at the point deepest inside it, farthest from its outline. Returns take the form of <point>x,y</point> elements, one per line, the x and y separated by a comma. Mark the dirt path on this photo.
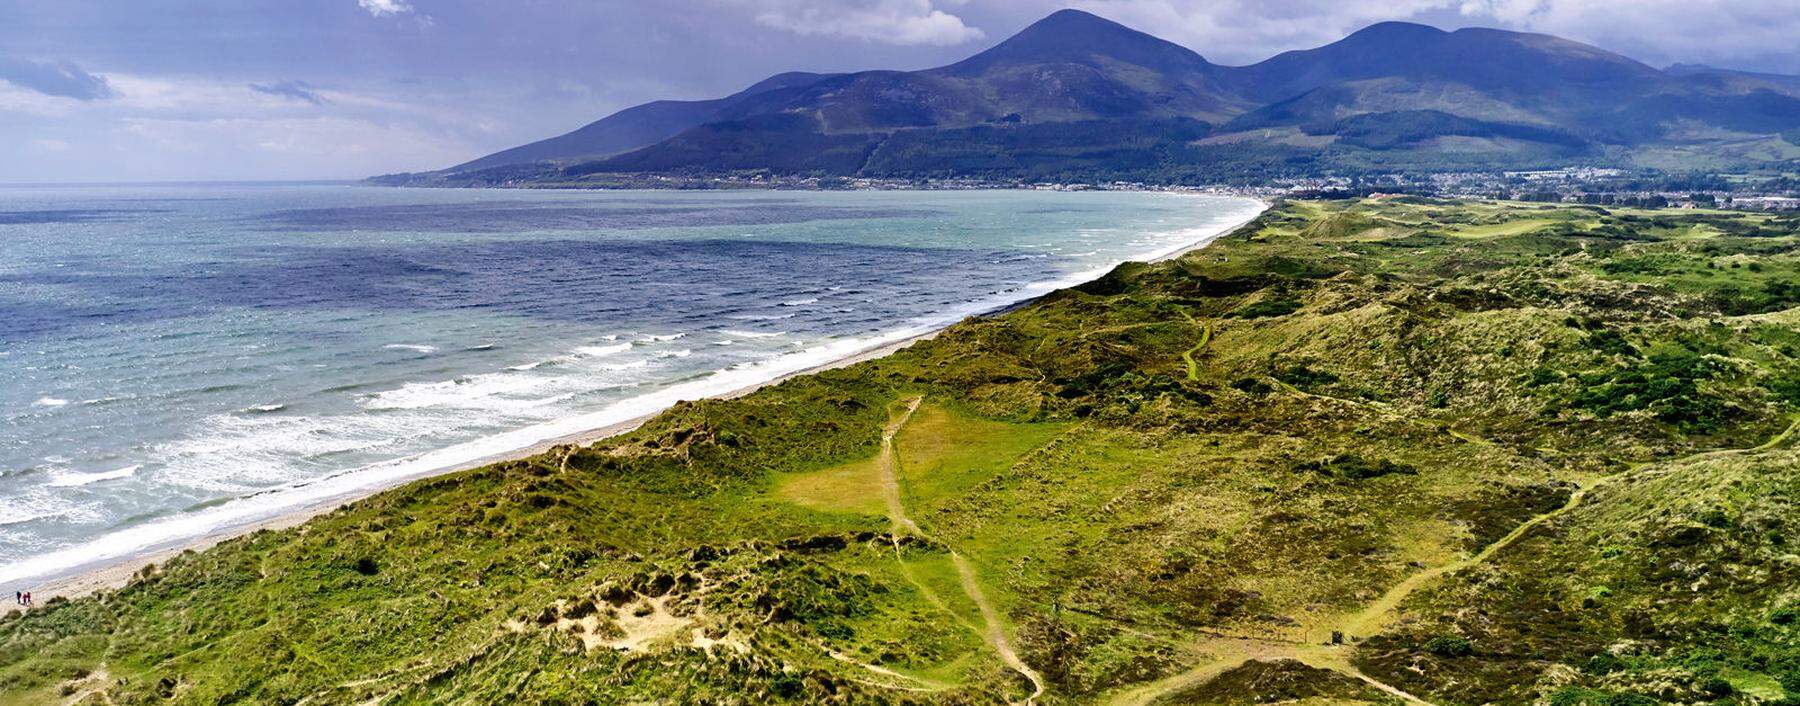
<point>1377,615</point>
<point>996,631</point>
<point>1187,356</point>
<point>1229,653</point>
<point>993,629</point>
<point>890,475</point>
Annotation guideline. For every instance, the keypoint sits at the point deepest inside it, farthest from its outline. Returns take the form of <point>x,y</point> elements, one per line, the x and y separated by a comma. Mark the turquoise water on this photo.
<point>178,360</point>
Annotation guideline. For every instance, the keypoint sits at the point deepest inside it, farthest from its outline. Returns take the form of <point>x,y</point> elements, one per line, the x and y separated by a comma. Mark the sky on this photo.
<point>182,90</point>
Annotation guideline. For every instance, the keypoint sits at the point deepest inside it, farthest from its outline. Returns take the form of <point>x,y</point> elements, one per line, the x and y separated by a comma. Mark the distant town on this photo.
<point>1584,185</point>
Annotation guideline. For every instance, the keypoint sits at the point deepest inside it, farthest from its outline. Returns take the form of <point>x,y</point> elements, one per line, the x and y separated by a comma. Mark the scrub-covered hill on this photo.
<point>1359,452</point>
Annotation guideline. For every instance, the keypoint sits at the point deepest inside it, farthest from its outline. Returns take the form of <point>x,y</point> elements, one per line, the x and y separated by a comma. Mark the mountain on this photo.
<point>1077,96</point>
<point>634,127</point>
<point>1751,79</point>
<point>1502,63</point>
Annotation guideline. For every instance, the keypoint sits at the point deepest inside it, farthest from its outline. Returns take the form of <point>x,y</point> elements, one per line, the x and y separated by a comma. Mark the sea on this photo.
<point>180,360</point>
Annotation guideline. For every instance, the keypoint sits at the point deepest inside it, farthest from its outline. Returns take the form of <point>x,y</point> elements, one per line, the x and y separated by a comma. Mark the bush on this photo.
<point>1304,377</point>
<point>1252,386</point>
<point>1267,308</point>
<point>1603,663</point>
<point>1354,467</point>
<point>1449,646</point>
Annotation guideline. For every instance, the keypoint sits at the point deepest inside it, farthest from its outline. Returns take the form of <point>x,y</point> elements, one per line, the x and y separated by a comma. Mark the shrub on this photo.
<point>1449,646</point>
<point>1354,467</point>
<point>1267,308</point>
<point>1252,386</point>
<point>1304,377</point>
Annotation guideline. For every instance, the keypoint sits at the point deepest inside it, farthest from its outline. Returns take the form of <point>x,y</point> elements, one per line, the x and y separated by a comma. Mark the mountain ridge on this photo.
<point>1457,99</point>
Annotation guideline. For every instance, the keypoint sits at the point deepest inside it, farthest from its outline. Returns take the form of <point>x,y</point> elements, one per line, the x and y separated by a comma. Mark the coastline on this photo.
<point>112,573</point>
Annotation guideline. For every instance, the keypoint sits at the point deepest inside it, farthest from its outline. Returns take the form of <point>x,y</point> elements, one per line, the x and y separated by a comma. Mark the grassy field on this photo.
<point>1379,451</point>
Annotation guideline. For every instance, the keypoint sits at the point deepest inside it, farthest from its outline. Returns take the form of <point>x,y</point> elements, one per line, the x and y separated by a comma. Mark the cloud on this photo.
<point>385,8</point>
<point>1658,31</point>
<point>297,90</point>
<point>886,21</point>
<point>61,79</point>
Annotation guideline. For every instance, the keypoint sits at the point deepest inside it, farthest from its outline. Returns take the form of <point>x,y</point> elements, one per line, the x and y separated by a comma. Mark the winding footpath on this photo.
<point>1227,652</point>
<point>993,630</point>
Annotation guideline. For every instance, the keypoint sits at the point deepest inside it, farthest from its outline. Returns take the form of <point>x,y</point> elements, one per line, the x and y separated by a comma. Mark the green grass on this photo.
<point>1345,407</point>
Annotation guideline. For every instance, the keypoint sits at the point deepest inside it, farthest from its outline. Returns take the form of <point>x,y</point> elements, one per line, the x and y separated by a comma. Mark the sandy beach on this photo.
<point>100,576</point>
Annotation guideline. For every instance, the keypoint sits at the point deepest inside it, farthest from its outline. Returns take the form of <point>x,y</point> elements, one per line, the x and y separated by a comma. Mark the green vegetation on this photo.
<point>1384,451</point>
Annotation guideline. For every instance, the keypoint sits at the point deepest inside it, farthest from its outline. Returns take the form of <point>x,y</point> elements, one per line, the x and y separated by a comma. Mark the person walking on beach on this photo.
<point>27,599</point>
<point>19,597</point>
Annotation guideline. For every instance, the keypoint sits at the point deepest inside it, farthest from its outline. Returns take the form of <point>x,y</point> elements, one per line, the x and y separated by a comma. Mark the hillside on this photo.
<point>1437,100</point>
<point>633,127</point>
<point>1389,451</point>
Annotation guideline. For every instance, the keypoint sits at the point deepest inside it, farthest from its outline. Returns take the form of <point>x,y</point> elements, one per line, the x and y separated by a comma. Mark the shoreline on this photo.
<point>107,574</point>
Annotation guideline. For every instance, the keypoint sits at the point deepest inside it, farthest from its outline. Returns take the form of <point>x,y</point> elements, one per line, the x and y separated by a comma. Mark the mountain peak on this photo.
<point>1395,31</point>
<point>1077,36</point>
<point>1073,17</point>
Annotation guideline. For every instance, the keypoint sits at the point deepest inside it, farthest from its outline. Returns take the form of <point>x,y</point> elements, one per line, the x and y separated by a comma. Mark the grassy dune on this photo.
<point>1359,452</point>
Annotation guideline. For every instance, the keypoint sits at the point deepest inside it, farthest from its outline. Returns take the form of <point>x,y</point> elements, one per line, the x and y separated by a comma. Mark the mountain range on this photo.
<point>1077,96</point>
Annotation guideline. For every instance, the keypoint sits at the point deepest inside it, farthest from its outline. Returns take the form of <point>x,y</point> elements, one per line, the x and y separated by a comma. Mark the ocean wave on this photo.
<point>751,334</point>
<point>42,505</point>
<point>761,317</point>
<point>665,337</point>
<point>264,408</point>
<point>801,302</point>
<point>683,353</point>
<point>602,351</point>
<point>489,391</point>
<point>72,480</point>
<point>414,347</point>
<point>48,401</point>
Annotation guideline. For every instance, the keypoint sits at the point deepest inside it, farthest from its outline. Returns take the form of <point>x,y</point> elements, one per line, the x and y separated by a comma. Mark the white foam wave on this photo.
<point>493,391</point>
<point>801,302</point>
<point>602,351</point>
<point>71,480</point>
<point>48,401</point>
<point>266,408</point>
<point>751,334</point>
<point>683,353</point>
<point>665,337</point>
<point>414,347</point>
<point>761,317</point>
